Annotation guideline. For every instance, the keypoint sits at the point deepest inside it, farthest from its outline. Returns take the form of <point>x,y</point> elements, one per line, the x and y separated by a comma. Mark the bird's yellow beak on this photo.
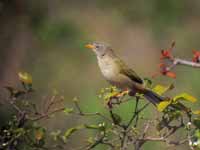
<point>90,46</point>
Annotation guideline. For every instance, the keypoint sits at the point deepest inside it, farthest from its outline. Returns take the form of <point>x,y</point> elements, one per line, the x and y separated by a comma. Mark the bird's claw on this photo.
<point>117,97</point>
<point>123,93</point>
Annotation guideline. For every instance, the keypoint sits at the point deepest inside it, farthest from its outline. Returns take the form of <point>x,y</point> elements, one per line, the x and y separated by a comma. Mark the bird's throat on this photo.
<point>108,67</point>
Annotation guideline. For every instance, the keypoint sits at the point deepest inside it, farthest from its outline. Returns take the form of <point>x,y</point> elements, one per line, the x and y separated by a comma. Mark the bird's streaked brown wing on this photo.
<point>132,75</point>
<point>124,69</point>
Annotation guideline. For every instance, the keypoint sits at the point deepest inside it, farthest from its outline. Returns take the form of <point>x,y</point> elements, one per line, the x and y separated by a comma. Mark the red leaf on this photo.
<point>166,54</point>
<point>196,56</point>
<point>165,71</point>
<point>162,65</point>
<point>170,74</point>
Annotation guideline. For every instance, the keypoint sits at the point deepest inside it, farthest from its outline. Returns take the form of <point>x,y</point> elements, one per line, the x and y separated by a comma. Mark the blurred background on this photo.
<point>46,38</point>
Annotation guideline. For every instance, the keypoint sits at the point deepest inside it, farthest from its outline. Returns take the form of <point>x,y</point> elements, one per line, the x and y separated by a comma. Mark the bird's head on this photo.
<point>99,48</point>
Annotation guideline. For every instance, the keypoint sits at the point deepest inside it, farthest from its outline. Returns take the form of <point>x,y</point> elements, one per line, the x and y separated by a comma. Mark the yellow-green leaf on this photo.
<point>196,112</point>
<point>90,140</point>
<point>39,134</point>
<point>162,105</point>
<point>70,131</point>
<point>25,77</point>
<point>68,110</point>
<point>160,89</point>
<point>147,82</point>
<point>185,96</point>
<point>100,126</point>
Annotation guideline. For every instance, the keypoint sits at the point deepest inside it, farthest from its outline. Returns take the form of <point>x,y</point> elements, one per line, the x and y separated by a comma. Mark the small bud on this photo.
<point>75,99</point>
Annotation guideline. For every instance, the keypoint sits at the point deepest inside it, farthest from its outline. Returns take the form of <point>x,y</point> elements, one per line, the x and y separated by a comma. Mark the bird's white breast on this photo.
<point>111,72</point>
<point>108,68</point>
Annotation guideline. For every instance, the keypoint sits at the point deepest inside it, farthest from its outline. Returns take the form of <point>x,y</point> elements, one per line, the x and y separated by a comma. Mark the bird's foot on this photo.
<point>122,94</point>
<point>115,99</point>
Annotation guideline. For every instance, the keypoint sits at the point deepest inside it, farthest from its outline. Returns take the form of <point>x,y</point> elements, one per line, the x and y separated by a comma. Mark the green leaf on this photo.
<point>147,82</point>
<point>90,140</point>
<point>100,126</point>
<point>162,105</point>
<point>108,93</point>
<point>185,96</point>
<point>196,112</point>
<point>70,131</point>
<point>197,133</point>
<point>196,122</point>
<point>25,77</point>
<point>91,126</point>
<point>68,110</point>
<point>160,89</point>
<point>19,131</point>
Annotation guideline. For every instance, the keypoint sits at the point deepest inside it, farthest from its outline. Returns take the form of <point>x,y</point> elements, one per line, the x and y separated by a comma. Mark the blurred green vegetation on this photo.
<point>47,39</point>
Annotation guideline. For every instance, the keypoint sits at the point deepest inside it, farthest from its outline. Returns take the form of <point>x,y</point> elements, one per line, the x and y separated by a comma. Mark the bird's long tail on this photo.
<point>153,97</point>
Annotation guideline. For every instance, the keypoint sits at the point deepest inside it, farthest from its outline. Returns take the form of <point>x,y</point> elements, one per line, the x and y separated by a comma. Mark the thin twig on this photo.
<point>47,115</point>
<point>81,113</point>
<point>12,103</point>
<point>136,114</point>
<point>97,142</point>
<point>162,139</point>
<point>136,109</point>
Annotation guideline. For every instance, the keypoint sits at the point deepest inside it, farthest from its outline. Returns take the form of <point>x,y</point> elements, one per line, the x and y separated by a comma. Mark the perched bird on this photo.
<point>118,74</point>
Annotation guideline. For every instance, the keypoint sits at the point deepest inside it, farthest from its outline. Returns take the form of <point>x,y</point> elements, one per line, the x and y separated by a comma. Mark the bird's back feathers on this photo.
<point>124,69</point>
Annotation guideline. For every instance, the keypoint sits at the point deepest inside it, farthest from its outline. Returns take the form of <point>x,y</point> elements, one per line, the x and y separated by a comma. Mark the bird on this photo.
<point>119,74</point>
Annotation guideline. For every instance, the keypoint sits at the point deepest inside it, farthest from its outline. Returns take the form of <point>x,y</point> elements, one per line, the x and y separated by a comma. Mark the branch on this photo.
<point>81,113</point>
<point>136,113</point>
<point>143,138</point>
<point>166,55</point>
<point>178,61</point>
<point>162,139</point>
<point>46,115</point>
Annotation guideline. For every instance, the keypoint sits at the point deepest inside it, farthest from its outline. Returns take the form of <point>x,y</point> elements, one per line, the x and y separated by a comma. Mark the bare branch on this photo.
<point>81,113</point>
<point>178,61</point>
